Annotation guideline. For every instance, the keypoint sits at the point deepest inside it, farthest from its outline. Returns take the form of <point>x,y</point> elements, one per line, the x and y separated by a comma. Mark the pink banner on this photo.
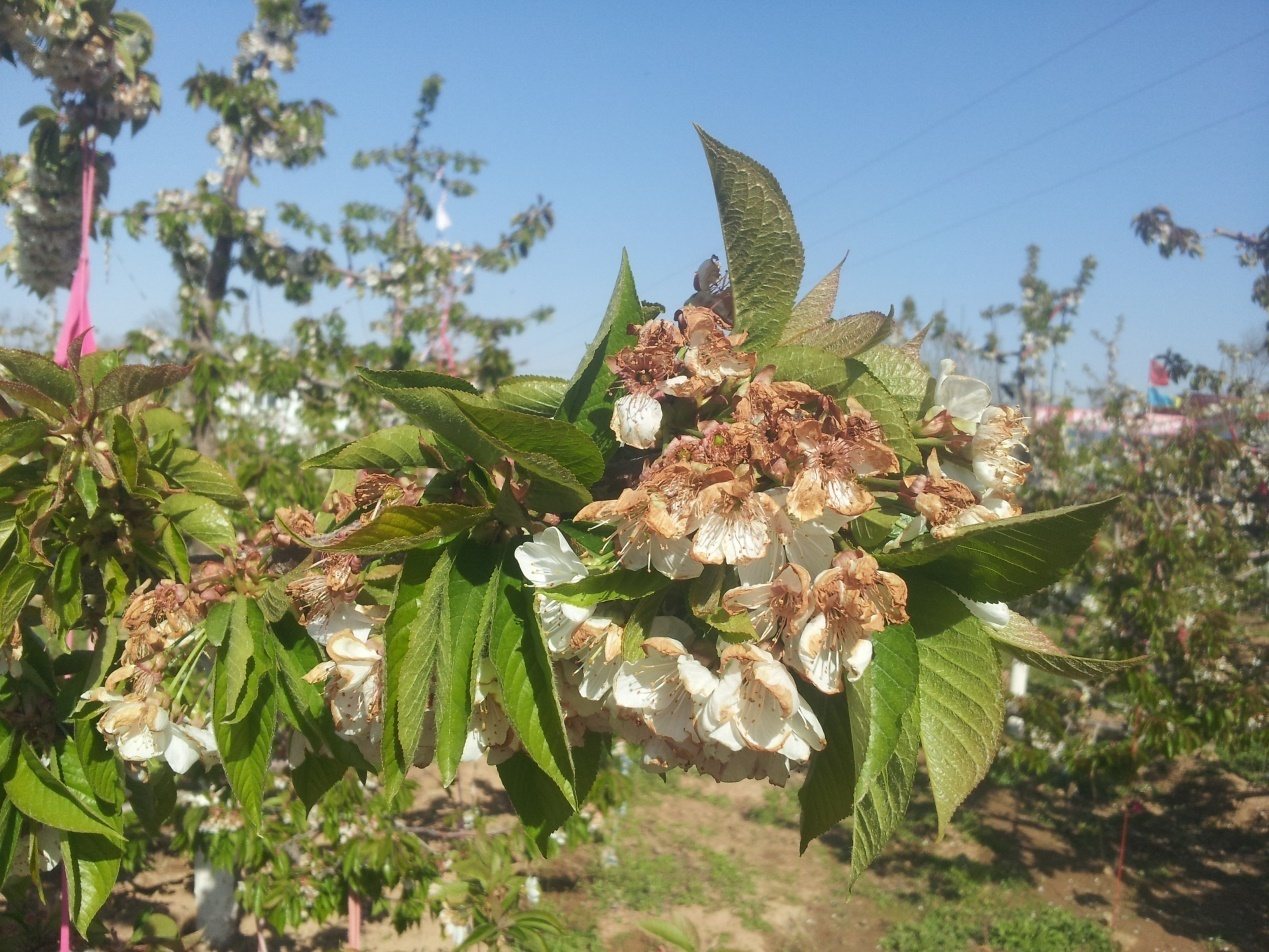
<point>78,322</point>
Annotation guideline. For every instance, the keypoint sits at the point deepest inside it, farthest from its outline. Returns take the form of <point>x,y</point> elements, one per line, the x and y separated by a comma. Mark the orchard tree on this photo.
<point>1045,315</point>
<point>92,57</point>
<point>206,230</point>
<point>423,284</point>
<point>1155,226</point>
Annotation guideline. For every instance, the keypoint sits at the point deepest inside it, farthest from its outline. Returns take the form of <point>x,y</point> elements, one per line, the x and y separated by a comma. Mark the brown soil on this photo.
<point>1194,877</point>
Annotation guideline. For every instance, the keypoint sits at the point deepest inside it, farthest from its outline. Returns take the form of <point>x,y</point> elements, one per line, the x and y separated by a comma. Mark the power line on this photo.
<point>1062,127</point>
<point>961,110</point>
<point>1064,182</point>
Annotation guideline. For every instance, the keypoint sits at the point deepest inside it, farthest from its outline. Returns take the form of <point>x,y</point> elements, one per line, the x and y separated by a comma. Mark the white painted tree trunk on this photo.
<point>1018,678</point>
<point>217,908</point>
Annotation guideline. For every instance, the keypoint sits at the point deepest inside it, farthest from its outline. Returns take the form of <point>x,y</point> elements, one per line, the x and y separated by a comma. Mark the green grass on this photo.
<point>1048,930</point>
<point>957,927</point>
<point>649,880</point>
<point>780,807</point>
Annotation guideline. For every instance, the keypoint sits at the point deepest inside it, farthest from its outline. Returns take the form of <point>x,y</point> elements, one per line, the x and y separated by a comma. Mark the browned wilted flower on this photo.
<point>711,357</point>
<point>332,580</point>
<point>155,618</point>
<point>851,601</point>
<point>735,522</point>
<point>832,463</point>
<point>948,505</point>
<point>380,489</point>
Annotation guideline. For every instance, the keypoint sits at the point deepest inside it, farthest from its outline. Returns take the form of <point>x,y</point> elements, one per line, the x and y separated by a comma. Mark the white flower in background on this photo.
<point>548,561</point>
<point>662,686</point>
<point>964,398</point>
<point>597,644</point>
<point>636,420</point>
<point>995,614</point>
<point>756,706</point>
<point>48,843</point>
<point>490,729</point>
<point>139,728</point>
<point>532,890</point>
<point>353,676</point>
<point>777,608</point>
<point>808,544</point>
<point>345,616</point>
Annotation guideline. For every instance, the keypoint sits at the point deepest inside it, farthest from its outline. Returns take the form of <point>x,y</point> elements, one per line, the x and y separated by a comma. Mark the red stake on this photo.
<point>354,921</point>
<point>1134,806</point>
<point>65,940</point>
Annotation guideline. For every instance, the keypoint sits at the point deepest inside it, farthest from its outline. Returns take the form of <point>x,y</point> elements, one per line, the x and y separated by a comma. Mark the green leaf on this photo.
<point>809,365</point>
<point>31,398</point>
<point>526,434</point>
<point>10,834</point>
<point>203,476</point>
<point>36,370</point>
<point>638,624</point>
<point>394,449</point>
<point>1022,639</point>
<point>892,690</point>
<point>401,528</point>
<point>92,867</point>
<point>418,623</point>
<point>132,382</point>
<point>127,452</point>
<point>814,309</point>
<point>961,696</point>
<point>519,653</point>
<point>245,737</point>
<point>681,935</point>
<point>21,436</point>
<point>431,408</point>
<point>827,796</point>
<point>848,336</point>
<point>200,518</point>
<point>537,799</point>
<point>733,629</point>
<point>153,800</point>
<point>18,580</point>
<point>905,378</point>
<point>68,590</point>
<point>239,657</point>
<point>94,367</point>
<point>622,585</point>
<point>161,420</point>
<point>882,802</point>
<point>885,409</point>
<point>540,396</point>
<point>294,654</point>
<point>44,798</point>
<point>764,253</point>
<point>1006,559</point>
<point>92,861</point>
<point>414,380</point>
<point>474,584</point>
<point>86,488</point>
<point>588,402</point>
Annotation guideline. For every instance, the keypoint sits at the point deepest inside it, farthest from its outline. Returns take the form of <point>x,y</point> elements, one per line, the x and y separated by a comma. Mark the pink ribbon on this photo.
<point>78,323</point>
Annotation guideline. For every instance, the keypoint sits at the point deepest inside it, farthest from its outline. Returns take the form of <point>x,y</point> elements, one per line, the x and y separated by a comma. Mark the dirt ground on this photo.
<point>1194,877</point>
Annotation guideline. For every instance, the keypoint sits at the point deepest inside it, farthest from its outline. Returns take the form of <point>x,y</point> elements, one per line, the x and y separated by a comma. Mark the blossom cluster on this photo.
<point>138,723</point>
<point>747,489</point>
<point>755,480</point>
<point>44,216</point>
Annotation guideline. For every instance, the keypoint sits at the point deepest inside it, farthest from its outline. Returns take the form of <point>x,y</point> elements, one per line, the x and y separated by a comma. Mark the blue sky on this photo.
<point>933,141</point>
